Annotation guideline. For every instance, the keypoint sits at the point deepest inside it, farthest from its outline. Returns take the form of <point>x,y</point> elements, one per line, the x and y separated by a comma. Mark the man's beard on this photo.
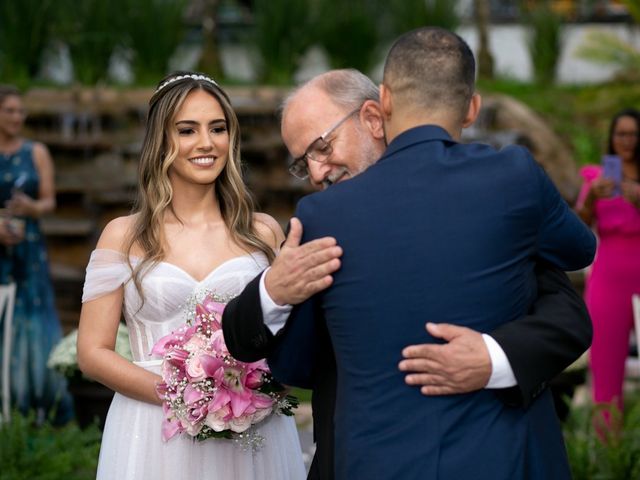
<point>367,156</point>
<point>335,177</point>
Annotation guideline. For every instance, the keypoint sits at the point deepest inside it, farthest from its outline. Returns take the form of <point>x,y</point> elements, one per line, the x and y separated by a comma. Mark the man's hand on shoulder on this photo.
<point>461,365</point>
<point>300,271</point>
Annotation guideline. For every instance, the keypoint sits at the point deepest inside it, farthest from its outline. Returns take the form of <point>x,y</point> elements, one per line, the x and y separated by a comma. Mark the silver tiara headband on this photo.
<point>182,77</point>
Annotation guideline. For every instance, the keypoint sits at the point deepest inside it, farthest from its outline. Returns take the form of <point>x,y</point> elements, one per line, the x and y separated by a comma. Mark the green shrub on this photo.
<point>92,29</point>
<point>349,33</point>
<point>410,14</point>
<point>634,9</point>
<point>608,49</point>
<point>42,452</point>
<point>544,41</point>
<point>24,34</point>
<point>283,32</point>
<point>596,452</point>
<point>154,29</point>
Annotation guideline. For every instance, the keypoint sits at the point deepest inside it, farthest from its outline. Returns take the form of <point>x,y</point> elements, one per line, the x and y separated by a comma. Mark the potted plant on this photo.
<point>91,398</point>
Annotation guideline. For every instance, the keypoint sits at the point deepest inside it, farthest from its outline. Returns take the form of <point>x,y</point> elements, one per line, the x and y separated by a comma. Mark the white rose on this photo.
<point>261,414</point>
<point>240,424</point>
<point>216,423</point>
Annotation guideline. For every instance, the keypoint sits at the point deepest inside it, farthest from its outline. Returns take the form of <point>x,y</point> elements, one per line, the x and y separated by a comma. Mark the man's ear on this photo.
<point>473,111</point>
<point>385,102</point>
<point>371,117</point>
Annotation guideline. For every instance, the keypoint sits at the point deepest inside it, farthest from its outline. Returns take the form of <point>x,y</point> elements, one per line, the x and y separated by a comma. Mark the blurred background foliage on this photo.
<point>39,451</point>
<point>410,14</point>
<point>349,33</point>
<point>283,31</point>
<point>25,30</point>
<point>596,452</point>
<point>545,43</point>
<point>153,31</point>
<point>146,35</point>
<point>91,29</point>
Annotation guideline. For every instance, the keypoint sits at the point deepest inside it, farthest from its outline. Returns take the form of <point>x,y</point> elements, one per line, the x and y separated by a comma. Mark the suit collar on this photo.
<point>423,133</point>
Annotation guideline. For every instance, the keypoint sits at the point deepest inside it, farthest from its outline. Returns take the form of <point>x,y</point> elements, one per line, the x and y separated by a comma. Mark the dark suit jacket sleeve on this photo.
<point>553,335</point>
<point>246,336</point>
<point>291,353</point>
<point>293,358</point>
<point>563,239</point>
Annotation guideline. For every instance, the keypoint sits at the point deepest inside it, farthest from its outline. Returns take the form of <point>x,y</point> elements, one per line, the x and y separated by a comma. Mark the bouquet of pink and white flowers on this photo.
<point>207,393</point>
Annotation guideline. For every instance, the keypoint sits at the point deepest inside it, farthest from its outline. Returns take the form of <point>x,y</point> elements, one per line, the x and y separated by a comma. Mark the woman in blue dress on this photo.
<point>27,192</point>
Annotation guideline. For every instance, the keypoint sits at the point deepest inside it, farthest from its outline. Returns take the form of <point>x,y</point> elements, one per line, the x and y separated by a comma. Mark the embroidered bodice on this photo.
<point>169,292</point>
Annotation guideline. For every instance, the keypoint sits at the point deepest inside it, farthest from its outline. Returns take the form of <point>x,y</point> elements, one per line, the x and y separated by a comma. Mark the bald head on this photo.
<point>431,69</point>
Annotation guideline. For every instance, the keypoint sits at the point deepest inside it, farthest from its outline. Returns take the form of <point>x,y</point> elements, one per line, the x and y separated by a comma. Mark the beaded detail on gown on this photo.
<point>36,328</point>
<point>132,446</point>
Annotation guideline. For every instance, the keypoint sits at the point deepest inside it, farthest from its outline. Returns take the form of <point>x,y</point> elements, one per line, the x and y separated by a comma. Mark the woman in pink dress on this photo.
<point>614,211</point>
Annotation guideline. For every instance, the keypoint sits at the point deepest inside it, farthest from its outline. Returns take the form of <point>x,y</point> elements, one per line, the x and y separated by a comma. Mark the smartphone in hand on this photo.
<point>612,169</point>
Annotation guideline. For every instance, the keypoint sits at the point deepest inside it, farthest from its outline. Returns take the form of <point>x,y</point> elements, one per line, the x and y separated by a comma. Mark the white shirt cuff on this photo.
<point>273,315</point>
<point>501,373</point>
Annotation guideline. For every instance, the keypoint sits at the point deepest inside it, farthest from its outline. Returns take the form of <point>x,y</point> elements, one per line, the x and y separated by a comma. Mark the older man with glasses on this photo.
<point>318,151</point>
<point>333,128</point>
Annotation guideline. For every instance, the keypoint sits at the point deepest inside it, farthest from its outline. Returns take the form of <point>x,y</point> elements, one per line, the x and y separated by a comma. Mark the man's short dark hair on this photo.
<point>431,68</point>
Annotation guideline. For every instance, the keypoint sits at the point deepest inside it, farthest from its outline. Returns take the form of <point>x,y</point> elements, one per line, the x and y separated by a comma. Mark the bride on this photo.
<point>194,231</point>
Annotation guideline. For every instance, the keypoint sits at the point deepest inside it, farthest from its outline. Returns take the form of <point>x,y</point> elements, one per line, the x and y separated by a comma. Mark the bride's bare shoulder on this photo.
<point>116,232</point>
<point>268,229</point>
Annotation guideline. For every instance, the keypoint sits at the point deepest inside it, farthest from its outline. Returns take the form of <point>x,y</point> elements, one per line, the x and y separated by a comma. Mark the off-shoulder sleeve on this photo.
<point>588,173</point>
<point>106,272</point>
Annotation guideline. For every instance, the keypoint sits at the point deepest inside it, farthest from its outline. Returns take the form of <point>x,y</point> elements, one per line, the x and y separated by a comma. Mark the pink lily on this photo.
<point>220,399</point>
<point>166,342</point>
<point>210,365</point>
<point>176,356</point>
<point>240,401</point>
<point>170,429</point>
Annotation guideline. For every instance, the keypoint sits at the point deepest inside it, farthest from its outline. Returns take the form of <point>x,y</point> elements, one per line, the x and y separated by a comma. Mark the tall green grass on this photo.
<point>410,14</point>
<point>350,33</point>
<point>25,30</point>
<point>545,41</point>
<point>92,29</point>
<point>283,32</point>
<point>153,30</point>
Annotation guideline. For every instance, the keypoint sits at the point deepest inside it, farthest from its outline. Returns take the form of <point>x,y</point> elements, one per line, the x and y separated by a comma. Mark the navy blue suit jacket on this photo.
<point>463,223</point>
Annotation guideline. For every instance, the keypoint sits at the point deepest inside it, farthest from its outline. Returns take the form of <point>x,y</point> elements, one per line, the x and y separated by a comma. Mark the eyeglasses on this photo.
<point>623,134</point>
<point>319,150</point>
<point>14,111</point>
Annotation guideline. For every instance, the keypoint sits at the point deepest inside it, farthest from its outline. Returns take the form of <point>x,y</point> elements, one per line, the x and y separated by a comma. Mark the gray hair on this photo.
<point>348,88</point>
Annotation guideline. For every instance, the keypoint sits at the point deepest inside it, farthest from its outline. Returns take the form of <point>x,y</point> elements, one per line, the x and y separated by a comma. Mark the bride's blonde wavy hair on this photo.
<point>159,150</point>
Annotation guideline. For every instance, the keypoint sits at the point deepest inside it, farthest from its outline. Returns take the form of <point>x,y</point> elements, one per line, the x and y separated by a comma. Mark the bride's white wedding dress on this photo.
<point>132,446</point>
